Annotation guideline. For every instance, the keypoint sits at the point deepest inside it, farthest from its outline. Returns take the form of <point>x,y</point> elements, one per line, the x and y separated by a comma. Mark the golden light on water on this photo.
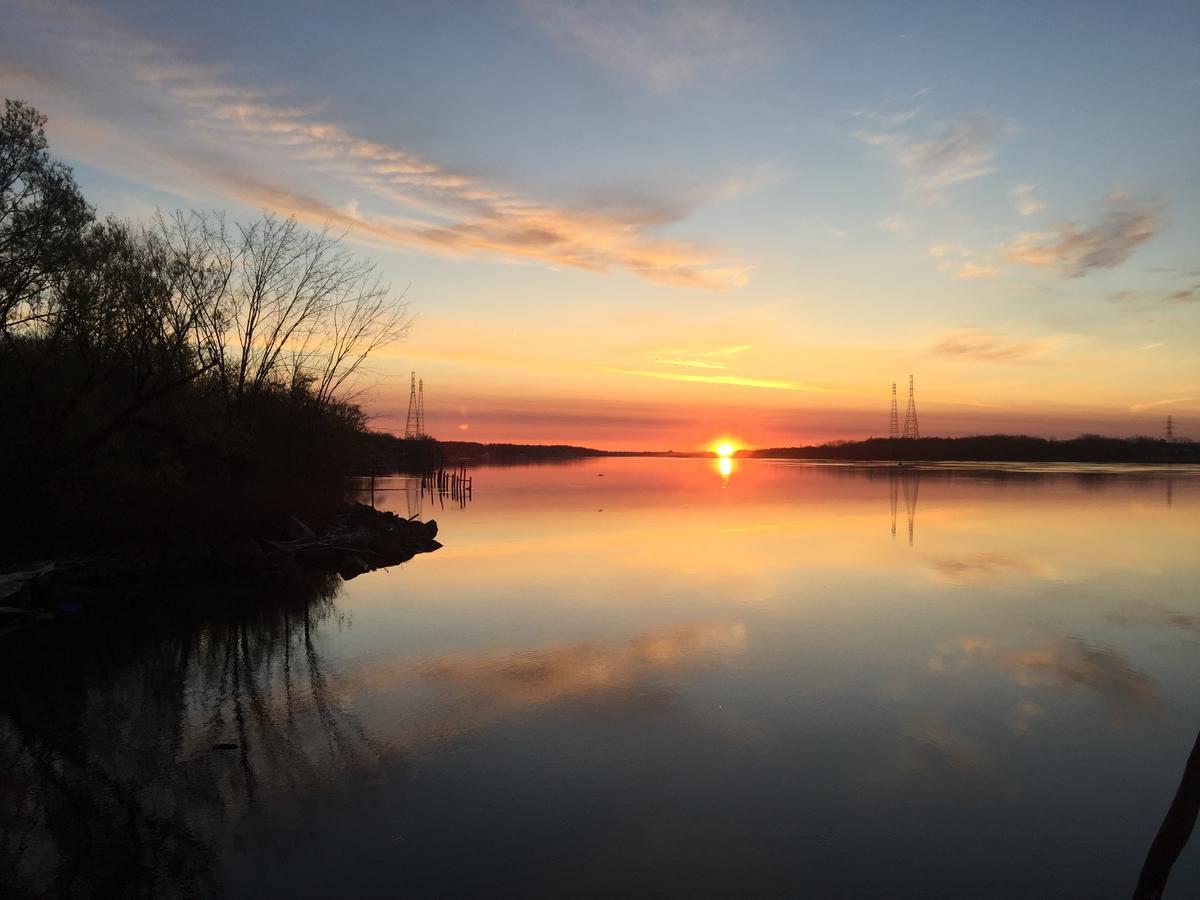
<point>725,466</point>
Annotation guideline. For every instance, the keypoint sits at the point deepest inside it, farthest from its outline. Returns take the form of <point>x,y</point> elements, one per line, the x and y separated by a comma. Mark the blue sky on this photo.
<point>645,224</point>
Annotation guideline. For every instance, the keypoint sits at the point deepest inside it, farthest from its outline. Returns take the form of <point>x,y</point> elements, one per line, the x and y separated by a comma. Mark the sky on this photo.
<point>640,225</point>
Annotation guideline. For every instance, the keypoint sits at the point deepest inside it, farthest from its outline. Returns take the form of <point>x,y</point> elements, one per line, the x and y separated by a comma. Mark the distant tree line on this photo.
<point>186,374</point>
<point>998,448</point>
<point>386,452</point>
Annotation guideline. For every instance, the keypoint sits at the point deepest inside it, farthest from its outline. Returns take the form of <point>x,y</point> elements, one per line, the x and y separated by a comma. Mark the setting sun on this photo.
<point>725,449</point>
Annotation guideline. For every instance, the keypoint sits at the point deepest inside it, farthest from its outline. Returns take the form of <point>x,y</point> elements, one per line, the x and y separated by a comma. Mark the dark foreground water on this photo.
<point>635,677</point>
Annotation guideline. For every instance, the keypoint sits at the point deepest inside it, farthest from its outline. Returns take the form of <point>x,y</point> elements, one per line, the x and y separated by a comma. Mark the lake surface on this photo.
<point>646,676</point>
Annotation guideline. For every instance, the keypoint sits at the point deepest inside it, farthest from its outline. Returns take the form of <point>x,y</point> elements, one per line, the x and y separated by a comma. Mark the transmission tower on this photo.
<point>911,429</point>
<point>894,425</point>
<point>410,424</point>
<point>421,407</point>
<point>1170,428</point>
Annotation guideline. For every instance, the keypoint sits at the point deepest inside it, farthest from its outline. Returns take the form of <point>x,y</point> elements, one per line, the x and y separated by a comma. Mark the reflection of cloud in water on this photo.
<point>1025,714</point>
<point>1062,663</point>
<point>1185,621</point>
<point>476,691</point>
<point>1146,614</point>
<point>985,567</point>
<point>931,748</point>
<point>545,675</point>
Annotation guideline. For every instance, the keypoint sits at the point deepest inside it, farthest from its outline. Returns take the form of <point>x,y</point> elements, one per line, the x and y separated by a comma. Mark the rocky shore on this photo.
<point>360,540</point>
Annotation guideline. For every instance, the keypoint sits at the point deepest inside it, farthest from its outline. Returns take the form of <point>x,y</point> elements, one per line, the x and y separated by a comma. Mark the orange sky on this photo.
<point>641,231</point>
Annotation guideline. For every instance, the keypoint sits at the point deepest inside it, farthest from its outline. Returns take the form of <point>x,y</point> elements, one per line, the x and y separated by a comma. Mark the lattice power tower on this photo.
<point>894,425</point>
<point>414,425</point>
<point>911,429</point>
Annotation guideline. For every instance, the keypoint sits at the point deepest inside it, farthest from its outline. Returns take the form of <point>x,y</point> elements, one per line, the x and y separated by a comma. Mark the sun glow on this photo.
<point>724,449</point>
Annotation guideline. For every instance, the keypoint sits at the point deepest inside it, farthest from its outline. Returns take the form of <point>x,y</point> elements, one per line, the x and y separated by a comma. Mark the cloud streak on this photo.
<point>1078,249</point>
<point>663,46</point>
<point>1154,404</point>
<point>970,270</point>
<point>961,152</point>
<point>736,380</point>
<point>417,202</point>
<point>985,346</point>
<point>1024,200</point>
<point>1144,300</point>
<point>717,358</point>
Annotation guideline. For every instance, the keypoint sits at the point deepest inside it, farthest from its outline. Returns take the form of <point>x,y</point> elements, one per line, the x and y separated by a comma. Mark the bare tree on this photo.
<point>274,304</point>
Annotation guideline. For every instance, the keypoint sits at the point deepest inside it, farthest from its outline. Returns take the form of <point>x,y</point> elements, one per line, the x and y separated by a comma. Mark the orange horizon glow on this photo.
<point>557,300</point>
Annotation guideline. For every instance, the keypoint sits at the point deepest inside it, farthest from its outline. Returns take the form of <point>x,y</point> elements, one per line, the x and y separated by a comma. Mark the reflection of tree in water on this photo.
<point>127,744</point>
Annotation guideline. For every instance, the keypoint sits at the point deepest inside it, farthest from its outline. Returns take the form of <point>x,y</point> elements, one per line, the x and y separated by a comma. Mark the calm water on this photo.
<point>643,676</point>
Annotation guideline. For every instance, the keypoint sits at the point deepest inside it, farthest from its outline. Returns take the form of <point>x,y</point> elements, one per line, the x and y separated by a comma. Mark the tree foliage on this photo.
<point>190,355</point>
<point>43,216</point>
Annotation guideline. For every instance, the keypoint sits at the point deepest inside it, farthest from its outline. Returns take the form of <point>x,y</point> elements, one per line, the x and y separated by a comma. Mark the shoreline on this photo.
<point>361,539</point>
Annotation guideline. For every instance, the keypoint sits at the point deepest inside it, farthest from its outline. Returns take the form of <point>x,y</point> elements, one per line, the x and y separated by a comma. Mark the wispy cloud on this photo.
<point>697,357</point>
<point>900,117</point>
<point>961,152</point>
<point>973,270</point>
<point>1153,404</point>
<point>663,46</point>
<point>887,119</point>
<point>233,130</point>
<point>985,346</point>
<point>959,261</point>
<point>736,380</point>
<point>894,223</point>
<point>1078,249</point>
<point>693,363</point>
<point>1144,300</point>
<point>1024,200</point>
